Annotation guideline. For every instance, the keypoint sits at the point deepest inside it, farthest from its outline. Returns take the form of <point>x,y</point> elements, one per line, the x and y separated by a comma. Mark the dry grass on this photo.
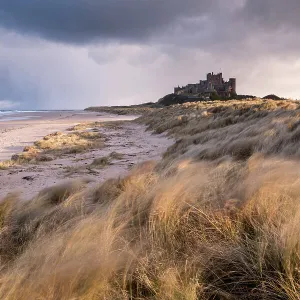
<point>4,165</point>
<point>106,160</point>
<point>83,137</point>
<point>101,162</point>
<point>71,142</point>
<point>97,163</point>
<point>71,170</point>
<point>190,234</point>
<point>235,129</point>
<point>125,110</point>
<point>116,155</point>
<point>55,145</point>
<point>86,126</point>
<point>224,225</point>
<point>96,125</point>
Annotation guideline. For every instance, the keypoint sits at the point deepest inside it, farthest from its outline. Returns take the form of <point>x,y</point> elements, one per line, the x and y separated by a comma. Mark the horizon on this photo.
<point>126,53</point>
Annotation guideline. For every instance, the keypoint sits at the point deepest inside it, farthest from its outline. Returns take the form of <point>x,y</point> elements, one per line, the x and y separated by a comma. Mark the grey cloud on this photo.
<point>236,28</point>
<point>196,22</point>
<point>80,21</point>
<point>272,14</point>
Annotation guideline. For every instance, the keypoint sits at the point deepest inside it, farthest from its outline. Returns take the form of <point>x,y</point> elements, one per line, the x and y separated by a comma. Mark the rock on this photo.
<point>28,178</point>
<point>44,158</point>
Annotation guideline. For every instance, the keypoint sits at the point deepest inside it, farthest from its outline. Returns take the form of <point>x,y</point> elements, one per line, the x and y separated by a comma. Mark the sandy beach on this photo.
<point>22,129</point>
<point>129,140</point>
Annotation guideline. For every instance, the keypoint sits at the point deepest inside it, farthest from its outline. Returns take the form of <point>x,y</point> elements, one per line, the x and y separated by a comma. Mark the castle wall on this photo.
<point>213,83</point>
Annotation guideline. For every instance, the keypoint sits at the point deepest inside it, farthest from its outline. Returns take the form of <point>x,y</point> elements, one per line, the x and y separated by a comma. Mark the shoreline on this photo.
<point>17,134</point>
<point>126,144</point>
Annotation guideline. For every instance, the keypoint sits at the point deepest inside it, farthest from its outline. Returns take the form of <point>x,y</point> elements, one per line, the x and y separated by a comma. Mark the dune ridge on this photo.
<point>216,218</point>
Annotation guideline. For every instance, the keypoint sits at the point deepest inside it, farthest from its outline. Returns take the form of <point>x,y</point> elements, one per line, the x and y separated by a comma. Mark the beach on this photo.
<point>127,139</point>
<point>18,130</point>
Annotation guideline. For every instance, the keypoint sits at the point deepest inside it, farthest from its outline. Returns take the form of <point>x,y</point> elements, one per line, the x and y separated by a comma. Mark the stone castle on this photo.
<point>214,84</point>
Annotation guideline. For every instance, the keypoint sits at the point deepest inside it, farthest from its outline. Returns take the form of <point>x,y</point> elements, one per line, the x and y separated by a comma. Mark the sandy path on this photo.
<point>131,140</point>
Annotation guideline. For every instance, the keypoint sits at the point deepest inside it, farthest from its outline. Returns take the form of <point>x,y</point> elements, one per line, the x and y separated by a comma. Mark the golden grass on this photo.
<point>85,126</point>
<point>4,165</point>
<point>55,145</point>
<point>224,225</point>
<point>195,234</point>
<point>96,125</point>
<point>235,129</point>
<point>67,142</point>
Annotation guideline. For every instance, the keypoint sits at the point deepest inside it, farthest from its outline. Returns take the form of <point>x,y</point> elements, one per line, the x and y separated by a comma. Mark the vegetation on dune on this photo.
<point>95,126</point>
<point>229,130</point>
<point>55,145</point>
<point>97,163</point>
<point>63,143</point>
<point>100,162</point>
<point>273,97</point>
<point>217,218</point>
<point>4,165</point>
<point>126,110</point>
<point>106,160</point>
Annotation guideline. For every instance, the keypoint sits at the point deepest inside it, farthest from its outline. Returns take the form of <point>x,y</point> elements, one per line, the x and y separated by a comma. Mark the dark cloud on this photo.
<point>203,21</point>
<point>272,14</point>
<point>80,21</point>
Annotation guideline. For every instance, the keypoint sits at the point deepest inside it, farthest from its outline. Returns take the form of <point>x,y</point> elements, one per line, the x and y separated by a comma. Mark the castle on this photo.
<point>214,84</point>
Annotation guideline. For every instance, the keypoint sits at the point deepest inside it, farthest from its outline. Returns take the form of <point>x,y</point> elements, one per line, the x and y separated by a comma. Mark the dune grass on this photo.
<point>4,165</point>
<point>190,234</point>
<point>193,226</point>
<point>97,125</point>
<point>100,162</point>
<point>97,163</point>
<point>116,155</point>
<point>56,145</point>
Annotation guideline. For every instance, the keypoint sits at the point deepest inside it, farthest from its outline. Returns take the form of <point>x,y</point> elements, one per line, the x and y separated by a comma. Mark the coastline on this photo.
<point>17,134</point>
<point>128,140</point>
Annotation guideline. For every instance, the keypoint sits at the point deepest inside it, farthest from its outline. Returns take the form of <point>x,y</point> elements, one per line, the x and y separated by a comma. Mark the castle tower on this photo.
<point>232,82</point>
<point>216,79</point>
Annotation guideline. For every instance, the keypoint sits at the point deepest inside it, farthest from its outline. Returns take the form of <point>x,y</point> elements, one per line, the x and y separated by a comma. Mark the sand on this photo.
<point>130,139</point>
<point>16,134</point>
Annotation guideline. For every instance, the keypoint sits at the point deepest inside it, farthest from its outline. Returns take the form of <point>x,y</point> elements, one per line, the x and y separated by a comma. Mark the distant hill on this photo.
<point>273,97</point>
<point>172,99</point>
<point>240,97</point>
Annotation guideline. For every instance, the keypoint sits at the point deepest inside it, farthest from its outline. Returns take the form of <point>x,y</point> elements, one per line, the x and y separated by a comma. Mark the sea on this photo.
<point>19,115</point>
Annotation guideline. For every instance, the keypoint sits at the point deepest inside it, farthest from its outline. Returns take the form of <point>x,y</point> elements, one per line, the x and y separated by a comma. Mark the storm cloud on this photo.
<point>83,21</point>
<point>75,53</point>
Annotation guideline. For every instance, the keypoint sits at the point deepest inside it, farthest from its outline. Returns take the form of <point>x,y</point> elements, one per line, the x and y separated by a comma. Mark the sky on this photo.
<point>71,54</point>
